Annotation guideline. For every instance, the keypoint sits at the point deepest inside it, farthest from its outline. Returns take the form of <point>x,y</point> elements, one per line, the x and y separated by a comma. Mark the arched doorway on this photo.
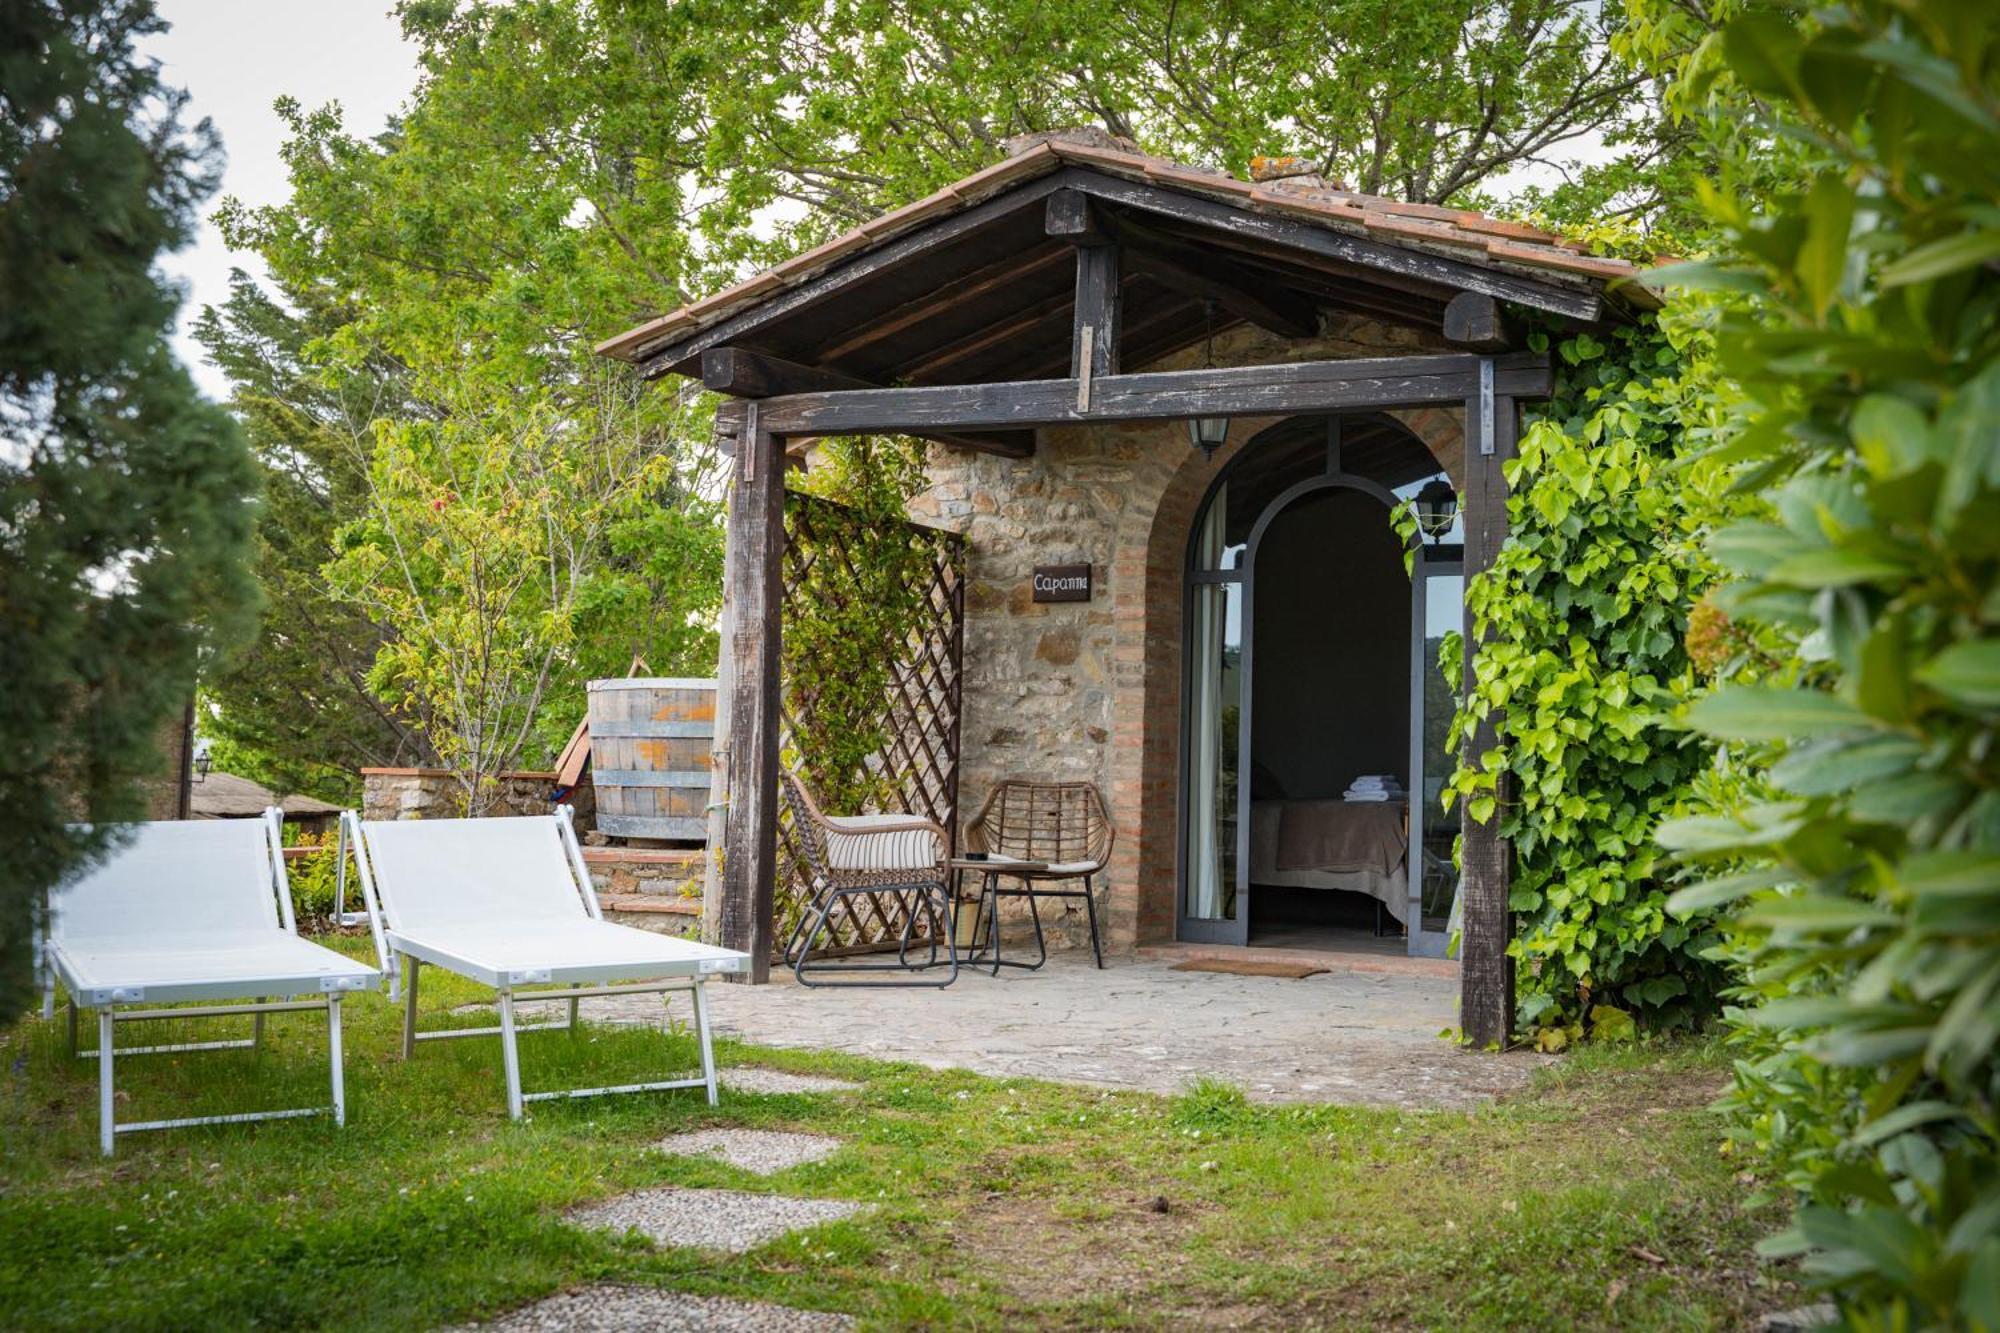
<point>1314,712</point>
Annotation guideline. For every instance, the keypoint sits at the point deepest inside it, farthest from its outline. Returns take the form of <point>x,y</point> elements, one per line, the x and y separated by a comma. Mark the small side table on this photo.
<point>989,872</point>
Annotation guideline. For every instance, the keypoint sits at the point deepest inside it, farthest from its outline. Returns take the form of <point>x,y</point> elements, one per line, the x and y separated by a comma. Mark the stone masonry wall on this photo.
<point>1091,690</point>
<point>433,793</point>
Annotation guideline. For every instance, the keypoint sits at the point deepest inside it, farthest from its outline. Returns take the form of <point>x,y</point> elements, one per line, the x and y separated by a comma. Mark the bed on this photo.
<point>1359,846</point>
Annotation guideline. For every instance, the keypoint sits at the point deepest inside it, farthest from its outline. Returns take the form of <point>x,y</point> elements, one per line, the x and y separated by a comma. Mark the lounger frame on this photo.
<point>575,982</point>
<point>107,1002</point>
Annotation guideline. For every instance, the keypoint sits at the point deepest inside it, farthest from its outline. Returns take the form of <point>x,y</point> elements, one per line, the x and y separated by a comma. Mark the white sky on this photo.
<point>235,58</point>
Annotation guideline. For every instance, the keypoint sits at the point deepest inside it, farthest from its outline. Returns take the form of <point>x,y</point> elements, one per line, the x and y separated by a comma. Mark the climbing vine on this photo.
<point>1585,617</point>
<point>861,590</point>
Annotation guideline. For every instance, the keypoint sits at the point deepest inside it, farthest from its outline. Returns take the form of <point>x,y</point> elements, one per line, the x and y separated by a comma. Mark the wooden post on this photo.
<point>753,601</point>
<point>1486,995</point>
<point>1071,217</point>
<point>1097,311</point>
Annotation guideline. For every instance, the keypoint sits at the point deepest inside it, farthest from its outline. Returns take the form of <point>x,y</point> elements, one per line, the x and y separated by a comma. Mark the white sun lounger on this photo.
<point>191,910</point>
<point>509,903</point>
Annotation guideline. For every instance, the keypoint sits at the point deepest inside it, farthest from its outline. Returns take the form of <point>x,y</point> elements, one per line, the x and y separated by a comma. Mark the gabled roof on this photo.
<point>1443,247</point>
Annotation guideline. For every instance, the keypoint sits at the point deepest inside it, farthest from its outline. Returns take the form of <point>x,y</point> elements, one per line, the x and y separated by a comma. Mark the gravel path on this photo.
<point>728,1220</point>
<point>616,1309</point>
<point>760,1150</point>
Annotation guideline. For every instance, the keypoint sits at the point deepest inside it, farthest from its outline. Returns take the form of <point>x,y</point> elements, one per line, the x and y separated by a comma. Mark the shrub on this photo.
<point>314,880</point>
<point>1868,875</point>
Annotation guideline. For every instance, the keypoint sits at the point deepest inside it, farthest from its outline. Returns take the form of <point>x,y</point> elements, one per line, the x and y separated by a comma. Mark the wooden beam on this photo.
<point>1207,276</point>
<point>1098,322</point>
<point>747,374</point>
<point>753,626</point>
<point>658,357</point>
<point>1010,272</point>
<point>1274,390</point>
<point>1001,329</point>
<point>1486,979</point>
<point>1069,216</point>
<point>1313,238</point>
<point>1473,320</point>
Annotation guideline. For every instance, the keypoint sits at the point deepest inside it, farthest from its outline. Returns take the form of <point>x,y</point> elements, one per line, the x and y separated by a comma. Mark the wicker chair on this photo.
<point>898,857</point>
<point>1060,826</point>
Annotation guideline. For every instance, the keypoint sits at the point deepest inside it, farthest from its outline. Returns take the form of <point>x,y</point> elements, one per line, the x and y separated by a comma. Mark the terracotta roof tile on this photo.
<point>1475,237</point>
<point>1388,224</point>
<point>1567,261</point>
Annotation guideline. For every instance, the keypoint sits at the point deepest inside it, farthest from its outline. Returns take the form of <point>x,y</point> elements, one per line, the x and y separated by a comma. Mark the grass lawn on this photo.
<point>1598,1200</point>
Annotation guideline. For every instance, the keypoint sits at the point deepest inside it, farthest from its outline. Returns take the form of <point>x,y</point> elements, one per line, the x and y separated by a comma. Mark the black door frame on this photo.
<point>1431,562</point>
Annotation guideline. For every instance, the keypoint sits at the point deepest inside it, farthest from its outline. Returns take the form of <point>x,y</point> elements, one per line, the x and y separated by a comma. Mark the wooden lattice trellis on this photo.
<point>915,769</point>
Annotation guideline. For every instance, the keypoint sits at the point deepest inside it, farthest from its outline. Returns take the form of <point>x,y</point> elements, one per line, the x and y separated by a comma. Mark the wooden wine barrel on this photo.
<point>650,742</point>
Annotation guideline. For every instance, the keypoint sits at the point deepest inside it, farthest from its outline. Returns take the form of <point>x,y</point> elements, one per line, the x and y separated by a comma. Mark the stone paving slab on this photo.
<point>609,1308</point>
<point>760,1150</point>
<point>728,1220</point>
<point>750,1078</point>
<point>1355,1037</point>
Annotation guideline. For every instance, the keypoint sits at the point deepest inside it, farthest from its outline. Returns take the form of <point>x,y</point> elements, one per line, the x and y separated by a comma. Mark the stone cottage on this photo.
<point>1210,395</point>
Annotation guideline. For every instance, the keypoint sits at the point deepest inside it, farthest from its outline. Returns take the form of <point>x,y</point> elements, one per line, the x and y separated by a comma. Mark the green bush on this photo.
<point>1585,612</point>
<point>1868,874</point>
<point>315,879</point>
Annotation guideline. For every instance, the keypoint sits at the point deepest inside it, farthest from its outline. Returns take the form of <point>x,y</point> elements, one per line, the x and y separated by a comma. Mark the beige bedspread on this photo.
<point>1341,835</point>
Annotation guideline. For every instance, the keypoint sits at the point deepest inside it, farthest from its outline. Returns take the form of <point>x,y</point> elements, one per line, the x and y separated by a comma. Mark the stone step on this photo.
<point>645,872</point>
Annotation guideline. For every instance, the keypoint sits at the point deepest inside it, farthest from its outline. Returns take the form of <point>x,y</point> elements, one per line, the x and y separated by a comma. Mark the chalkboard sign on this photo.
<point>1062,583</point>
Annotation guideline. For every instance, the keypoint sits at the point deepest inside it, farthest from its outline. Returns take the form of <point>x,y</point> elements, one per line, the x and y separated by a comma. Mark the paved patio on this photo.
<point>1364,1033</point>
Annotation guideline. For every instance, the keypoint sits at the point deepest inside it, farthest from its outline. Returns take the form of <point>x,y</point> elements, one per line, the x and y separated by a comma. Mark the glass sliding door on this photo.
<point>1214,907</point>
<point>1438,587</point>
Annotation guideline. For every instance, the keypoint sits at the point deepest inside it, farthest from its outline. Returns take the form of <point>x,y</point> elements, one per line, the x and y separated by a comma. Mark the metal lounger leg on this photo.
<point>707,1041</point>
<point>107,1127</point>
<point>510,1057</point>
<point>257,1023</point>
<point>411,964</point>
<point>334,1060</point>
<point>72,1025</point>
<point>573,1003</point>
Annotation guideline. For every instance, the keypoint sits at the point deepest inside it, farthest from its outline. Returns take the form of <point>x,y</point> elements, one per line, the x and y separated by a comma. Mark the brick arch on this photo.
<point>1149,596</point>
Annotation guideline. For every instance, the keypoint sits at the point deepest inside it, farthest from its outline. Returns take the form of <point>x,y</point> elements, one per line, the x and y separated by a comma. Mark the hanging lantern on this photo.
<point>1208,433</point>
<point>1436,506</point>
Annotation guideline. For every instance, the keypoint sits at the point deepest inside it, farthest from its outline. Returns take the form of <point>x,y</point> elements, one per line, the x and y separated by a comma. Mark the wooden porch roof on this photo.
<point>976,283</point>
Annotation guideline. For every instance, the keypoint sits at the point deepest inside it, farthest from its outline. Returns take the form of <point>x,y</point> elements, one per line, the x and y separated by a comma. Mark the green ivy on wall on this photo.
<point>1584,615</point>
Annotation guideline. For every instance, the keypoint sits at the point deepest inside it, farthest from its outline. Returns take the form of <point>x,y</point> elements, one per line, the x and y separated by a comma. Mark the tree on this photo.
<point>124,497</point>
<point>486,547</point>
<point>566,168</point>
<point>295,709</point>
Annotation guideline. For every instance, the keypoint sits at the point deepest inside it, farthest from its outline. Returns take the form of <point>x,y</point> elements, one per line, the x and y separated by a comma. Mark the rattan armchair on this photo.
<point>900,858</point>
<point>1062,830</point>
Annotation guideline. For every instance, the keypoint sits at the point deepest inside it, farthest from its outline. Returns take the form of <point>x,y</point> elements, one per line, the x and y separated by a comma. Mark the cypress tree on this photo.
<point>125,497</point>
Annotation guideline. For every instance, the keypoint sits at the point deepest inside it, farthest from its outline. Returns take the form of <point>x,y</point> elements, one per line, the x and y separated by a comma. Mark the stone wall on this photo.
<point>1090,691</point>
<point>651,888</point>
<point>433,793</point>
